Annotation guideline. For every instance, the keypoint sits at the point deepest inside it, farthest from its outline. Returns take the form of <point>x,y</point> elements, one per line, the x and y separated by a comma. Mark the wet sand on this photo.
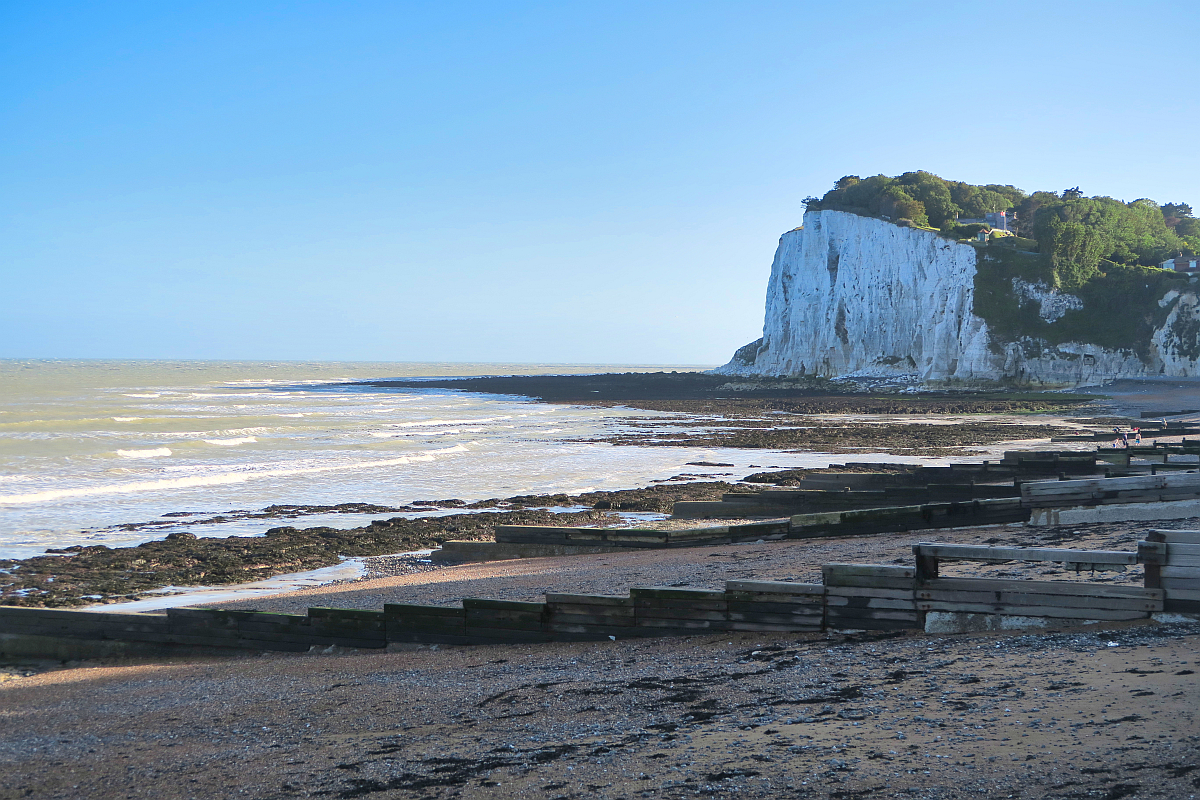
<point>1105,713</point>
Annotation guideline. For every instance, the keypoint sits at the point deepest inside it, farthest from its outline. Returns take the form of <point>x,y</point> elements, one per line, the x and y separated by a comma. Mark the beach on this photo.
<point>1103,710</point>
<point>1099,711</point>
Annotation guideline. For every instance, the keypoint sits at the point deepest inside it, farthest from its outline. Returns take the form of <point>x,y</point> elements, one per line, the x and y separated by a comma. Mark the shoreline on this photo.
<point>107,577</point>
<point>923,428</point>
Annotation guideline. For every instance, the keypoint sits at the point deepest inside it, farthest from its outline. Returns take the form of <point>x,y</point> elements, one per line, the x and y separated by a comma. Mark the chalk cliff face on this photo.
<point>856,296</point>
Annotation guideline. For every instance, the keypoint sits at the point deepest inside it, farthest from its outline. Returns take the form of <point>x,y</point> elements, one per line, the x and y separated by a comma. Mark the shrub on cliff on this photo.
<point>1075,234</point>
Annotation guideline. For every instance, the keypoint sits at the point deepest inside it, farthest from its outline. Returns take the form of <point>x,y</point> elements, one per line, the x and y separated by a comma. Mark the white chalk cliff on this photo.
<point>857,296</point>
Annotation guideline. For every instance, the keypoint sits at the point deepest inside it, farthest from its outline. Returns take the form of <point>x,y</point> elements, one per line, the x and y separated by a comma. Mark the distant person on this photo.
<point>1137,435</point>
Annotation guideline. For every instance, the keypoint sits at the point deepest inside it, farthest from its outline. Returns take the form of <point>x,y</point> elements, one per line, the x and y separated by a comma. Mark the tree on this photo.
<point>847,181</point>
<point>931,192</point>
<point>1072,194</point>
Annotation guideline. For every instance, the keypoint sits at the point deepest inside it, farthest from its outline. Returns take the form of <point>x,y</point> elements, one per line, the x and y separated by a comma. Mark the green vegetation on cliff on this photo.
<point>1120,309</point>
<point>1101,254</point>
<point>1078,239</point>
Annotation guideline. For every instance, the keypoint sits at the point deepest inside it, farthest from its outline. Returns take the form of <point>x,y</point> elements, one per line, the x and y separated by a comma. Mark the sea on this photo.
<point>122,452</point>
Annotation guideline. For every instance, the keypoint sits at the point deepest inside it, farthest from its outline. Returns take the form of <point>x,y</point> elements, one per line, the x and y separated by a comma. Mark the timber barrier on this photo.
<point>871,597</point>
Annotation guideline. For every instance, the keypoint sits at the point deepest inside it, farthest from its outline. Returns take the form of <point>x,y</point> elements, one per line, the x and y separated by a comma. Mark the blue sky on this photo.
<point>511,181</point>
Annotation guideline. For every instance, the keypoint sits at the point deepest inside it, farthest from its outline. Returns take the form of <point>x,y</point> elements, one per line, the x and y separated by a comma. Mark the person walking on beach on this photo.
<point>1137,435</point>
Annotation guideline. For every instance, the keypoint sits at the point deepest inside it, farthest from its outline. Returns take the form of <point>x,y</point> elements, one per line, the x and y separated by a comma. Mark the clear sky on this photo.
<point>560,181</point>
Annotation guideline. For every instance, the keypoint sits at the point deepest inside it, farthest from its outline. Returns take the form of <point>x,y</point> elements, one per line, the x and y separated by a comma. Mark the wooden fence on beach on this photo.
<point>850,597</point>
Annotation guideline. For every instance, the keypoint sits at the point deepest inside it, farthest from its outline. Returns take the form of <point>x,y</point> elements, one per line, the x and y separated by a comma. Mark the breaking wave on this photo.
<point>157,452</point>
<point>222,479</point>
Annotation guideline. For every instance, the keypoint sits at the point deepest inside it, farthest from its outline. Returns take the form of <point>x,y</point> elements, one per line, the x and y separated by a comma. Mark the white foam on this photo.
<point>157,452</point>
<point>231,442</point>
<point>220,479</point>
<point>430,423</point>
<point>126,419</point>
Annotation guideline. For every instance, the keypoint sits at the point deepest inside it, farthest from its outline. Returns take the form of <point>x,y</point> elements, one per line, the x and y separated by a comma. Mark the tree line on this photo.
<point>1079,235</point>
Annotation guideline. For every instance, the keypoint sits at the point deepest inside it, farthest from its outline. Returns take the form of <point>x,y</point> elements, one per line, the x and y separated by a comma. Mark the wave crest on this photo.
<point>157,452</point>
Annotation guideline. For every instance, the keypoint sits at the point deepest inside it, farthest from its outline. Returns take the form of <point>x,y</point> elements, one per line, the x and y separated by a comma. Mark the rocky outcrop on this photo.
<point>857,296</point>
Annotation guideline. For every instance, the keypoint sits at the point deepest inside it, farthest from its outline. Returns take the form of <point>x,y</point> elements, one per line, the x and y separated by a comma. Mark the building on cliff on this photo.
<point>858,296</point>
<point>1181,264</point>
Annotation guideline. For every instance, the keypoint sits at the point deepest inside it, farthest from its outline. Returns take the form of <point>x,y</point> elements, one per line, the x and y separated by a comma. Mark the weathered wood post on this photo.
<point>1152,553</point>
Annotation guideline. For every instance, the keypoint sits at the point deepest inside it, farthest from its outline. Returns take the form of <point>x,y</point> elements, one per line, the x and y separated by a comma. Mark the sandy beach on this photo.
<point>1098,711</point>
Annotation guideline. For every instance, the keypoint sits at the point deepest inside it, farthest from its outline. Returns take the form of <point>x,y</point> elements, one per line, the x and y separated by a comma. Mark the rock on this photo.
<point>853,296</point>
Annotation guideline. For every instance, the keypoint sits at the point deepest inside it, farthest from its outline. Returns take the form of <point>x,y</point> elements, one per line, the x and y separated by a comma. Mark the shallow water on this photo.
<point>89,445</point>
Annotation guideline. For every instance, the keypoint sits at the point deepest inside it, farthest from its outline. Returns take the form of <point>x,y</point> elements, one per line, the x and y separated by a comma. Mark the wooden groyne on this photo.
<point>850,597</point>
<point>898,485</point>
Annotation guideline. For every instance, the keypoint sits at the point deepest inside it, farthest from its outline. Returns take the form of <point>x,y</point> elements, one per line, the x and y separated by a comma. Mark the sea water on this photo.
<point>89,447</point>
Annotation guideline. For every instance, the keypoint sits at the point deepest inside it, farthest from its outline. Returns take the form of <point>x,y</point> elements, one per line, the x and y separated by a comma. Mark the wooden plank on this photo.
<point>594,632</point>
<point>408,609</point>
<point>766,627</point>
<point>776,619</point>
<point>859,591</point>
<point>842,616</point>
<point>203,640</point>
<point>683,625</point>
<point>971,552</point>
<point>589,619</point>
<point>33,628</point>
<point>362,615</point>
<point>1151,553</point>
<point>895,604</point>
<point>669,593</point>
<point>1037,587</point>
<point>755,606</point>
<point>337,634</point>
<point>658,603</point>
<point>1182,549</point>
<point>474,604</point>
<point>764,597</point>
<point>1182,606</point>
<point>490,616</point>
<point>1042,600</point>
<point>1184,594</point>
<point>893,584</point>
<point>1172,571</point>
<point>775,588</point>
<point>555,609</point>
<point>1177,537</point>
<point>868,570</point>
<point>496,636</point>
<point>267,626</point>
<point>589,599</point>
<point>874,625</point>
<point>1180,584</point>
<point>419,619</point>
<point>682,615</point>
<point>1056,612</point>
<point>871,613</point>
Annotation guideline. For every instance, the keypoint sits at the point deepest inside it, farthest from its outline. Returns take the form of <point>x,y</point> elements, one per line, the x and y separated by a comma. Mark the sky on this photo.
<point>519,181</point>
